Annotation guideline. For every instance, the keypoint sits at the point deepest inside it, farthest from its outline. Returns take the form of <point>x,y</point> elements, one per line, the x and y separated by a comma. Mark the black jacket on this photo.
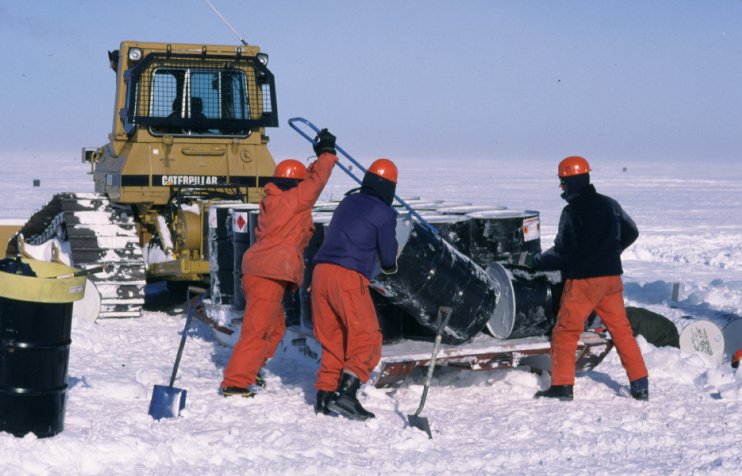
<point>593,231</point>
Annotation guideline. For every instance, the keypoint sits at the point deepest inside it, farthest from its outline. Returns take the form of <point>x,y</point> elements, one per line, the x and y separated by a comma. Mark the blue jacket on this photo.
<point>593,231</point>
<point>362,231</point>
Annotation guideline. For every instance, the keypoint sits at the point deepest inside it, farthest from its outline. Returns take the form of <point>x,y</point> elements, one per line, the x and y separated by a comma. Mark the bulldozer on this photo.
<point>189,130</point>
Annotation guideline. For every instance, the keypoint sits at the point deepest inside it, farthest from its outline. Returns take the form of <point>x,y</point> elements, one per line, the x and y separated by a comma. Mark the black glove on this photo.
<point>324,143</point>
<point>523,259</point>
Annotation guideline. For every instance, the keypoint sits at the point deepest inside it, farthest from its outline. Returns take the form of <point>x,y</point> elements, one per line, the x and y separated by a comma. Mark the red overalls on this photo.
<point>579,298</point>
<point>272,265</point>
<point>345,324</point>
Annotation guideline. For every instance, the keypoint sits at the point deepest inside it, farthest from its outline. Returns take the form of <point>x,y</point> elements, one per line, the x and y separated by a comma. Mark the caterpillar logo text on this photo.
<point>190,180</point>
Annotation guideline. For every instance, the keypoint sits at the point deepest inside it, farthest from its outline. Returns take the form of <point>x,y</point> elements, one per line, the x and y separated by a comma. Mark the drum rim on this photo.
<point>505,307</point>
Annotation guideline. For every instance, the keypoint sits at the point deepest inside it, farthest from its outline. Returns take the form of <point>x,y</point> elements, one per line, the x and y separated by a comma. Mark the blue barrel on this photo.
<point>35,326</point>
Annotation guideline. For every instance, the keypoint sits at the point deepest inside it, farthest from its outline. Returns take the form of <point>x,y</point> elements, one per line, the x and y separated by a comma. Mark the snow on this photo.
<point>483,422</point>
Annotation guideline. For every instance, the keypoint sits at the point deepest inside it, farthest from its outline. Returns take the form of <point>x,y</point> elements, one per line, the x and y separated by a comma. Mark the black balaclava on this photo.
<point>285,183</point>
<point>376,185</point>
<point>574,184</point>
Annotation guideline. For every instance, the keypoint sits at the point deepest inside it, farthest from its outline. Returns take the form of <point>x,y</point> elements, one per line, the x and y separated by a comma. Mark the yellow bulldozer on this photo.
<point>189,130</point>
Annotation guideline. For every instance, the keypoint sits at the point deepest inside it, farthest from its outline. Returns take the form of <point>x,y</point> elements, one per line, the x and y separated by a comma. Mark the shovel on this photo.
<point>416,420</point>
<point>168,401</point>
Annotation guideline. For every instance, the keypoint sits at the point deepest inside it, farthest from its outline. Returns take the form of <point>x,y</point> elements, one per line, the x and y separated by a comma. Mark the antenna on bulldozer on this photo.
<point>229,25</point>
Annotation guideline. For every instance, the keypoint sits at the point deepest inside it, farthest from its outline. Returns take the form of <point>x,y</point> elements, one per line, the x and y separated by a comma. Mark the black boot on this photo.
<point>248,392</point>
<point>323,398</point>
<point>640,389</point>
<point>345,401</point>
<point>562,392</point>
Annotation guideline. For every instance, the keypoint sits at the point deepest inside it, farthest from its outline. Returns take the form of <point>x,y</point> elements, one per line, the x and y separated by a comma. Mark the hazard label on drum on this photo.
<point>531,229</point>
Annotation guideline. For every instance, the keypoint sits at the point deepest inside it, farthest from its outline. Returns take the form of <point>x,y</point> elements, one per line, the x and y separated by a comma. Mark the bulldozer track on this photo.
<point>98,231</point>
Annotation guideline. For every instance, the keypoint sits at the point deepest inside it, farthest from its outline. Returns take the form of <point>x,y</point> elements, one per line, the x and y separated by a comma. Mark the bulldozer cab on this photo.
<point>186,115</point>
<point>187,94</point>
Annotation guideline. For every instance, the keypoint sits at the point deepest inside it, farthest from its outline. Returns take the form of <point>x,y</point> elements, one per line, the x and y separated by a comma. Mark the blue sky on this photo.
<point>507,80</point>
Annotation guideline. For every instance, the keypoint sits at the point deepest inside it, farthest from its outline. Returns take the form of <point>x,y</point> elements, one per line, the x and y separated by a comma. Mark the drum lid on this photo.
<point>502,321</point>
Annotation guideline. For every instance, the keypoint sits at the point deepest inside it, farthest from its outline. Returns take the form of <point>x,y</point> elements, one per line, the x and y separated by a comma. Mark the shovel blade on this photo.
<point>420,423</point>
<point>167,402</point>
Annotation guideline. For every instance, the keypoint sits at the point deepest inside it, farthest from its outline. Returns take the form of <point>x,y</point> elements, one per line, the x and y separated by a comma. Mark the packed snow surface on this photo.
<point>482,422</point>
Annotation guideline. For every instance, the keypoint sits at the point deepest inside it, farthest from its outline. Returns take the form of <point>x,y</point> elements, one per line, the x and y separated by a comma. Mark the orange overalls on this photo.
<point>272,265</point>
<point>345,323</point>
<point>579,298</point>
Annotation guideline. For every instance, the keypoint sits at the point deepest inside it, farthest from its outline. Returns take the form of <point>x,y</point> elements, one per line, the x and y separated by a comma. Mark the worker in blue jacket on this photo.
<point>361,235</point>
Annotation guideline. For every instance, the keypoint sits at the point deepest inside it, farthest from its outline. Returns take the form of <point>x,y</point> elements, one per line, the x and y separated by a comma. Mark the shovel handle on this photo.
<point>446,311</point>
<point>192,304</point>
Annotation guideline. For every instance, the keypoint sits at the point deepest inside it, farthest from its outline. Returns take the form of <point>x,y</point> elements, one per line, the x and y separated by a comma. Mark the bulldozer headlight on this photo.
<point>263,58</point>
<point>135,54</point>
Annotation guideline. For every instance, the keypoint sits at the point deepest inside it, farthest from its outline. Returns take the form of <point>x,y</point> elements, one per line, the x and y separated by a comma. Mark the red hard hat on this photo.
<point>736,358</point>
<point>384,168</point>
<point>573,165</point>
<point>291,169</point>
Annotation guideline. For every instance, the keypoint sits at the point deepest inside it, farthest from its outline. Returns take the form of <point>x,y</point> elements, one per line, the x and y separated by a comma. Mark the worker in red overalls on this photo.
<point>593,231</point>
<point>275,262</point>
<point>360,241</point>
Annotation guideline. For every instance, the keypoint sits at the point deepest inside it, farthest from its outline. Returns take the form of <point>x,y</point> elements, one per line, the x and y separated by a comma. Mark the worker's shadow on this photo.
<point>605,379</point>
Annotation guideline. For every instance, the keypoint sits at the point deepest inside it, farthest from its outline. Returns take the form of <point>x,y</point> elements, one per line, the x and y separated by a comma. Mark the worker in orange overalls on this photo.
<point>360,240</point>
<point>275,262</point>
<point>593,231</point>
